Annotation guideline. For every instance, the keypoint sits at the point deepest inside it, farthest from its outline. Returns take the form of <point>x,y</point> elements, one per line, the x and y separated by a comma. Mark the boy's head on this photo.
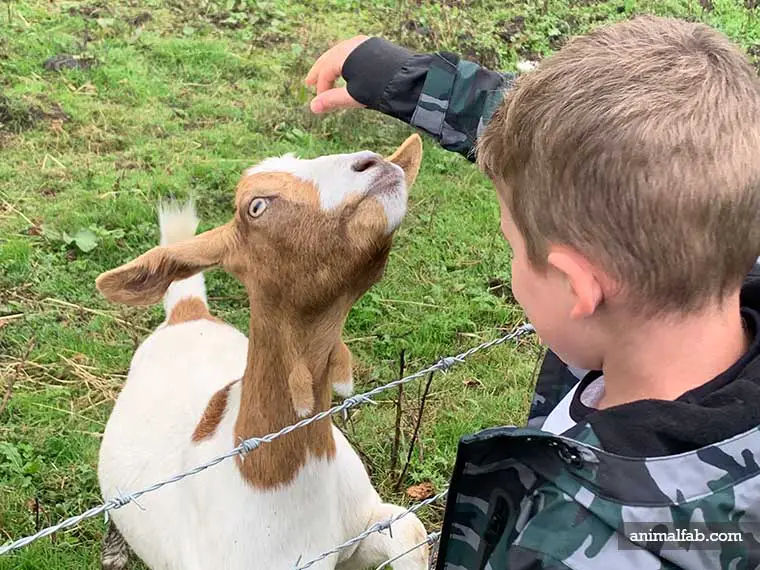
<point>628,170</point>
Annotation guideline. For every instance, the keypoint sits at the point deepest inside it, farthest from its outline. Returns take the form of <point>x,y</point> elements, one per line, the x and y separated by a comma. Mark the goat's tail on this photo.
<point>178,222</point>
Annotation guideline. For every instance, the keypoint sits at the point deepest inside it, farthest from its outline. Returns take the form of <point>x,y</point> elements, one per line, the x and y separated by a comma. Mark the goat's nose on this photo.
<point>365,163</point>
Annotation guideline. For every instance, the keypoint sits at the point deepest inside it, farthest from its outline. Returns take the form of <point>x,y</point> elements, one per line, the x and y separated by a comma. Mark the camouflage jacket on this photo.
<point>524,499</point>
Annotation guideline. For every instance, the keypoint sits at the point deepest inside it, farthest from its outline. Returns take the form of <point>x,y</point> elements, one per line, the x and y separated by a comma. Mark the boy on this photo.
<point>628,172</point>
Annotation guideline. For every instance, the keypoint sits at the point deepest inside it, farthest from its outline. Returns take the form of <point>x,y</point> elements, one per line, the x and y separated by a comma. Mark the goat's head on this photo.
<point>306,233</point>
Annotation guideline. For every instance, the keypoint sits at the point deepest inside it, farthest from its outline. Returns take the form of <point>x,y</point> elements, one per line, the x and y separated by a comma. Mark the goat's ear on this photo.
<point>408,156</point>
<point>144,280</point>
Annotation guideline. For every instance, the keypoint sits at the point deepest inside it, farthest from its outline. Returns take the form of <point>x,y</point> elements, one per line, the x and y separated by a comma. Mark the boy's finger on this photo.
<point>333,100</point>
<point>326,79</point>
<point>311,77</point>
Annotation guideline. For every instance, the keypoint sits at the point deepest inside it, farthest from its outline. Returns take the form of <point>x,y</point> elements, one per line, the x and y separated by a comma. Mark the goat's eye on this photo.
<point>257,207</point>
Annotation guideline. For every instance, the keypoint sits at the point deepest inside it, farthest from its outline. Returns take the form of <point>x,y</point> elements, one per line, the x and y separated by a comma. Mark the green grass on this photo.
<point>183,97</point>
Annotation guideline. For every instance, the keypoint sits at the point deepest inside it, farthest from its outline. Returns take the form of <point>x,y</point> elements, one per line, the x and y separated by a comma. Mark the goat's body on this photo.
<point>215,519</point>
<point>183,404</point>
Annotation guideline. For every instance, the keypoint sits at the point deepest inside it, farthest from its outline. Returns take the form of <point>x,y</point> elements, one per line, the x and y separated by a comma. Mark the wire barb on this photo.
<point>447,362</point>
<point>249,445</point>
<point>358,399</point>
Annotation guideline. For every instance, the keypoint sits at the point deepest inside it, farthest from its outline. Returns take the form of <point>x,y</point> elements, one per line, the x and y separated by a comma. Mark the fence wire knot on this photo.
<point>448,361</point>
<point>358,399</point>
<point>385,525</point>
<point>119,502</point>
<point>124,500</point>
<point>249,445</point>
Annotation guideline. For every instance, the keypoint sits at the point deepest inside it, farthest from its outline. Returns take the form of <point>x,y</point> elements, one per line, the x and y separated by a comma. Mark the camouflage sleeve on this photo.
<point>449,98</point>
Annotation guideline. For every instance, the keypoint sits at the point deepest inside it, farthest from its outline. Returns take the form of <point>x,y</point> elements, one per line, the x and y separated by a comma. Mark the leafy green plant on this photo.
<point>17,463</point>
<point>85,239</point>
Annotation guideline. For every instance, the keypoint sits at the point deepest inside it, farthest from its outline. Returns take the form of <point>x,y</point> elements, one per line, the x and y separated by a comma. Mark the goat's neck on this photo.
<point>278,343</point>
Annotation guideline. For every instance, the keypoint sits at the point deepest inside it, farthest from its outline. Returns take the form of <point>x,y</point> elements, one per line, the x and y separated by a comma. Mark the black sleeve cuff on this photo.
<point>370,68</point>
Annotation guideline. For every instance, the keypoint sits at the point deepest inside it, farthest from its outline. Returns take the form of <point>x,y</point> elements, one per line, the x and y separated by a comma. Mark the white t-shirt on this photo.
<point>560,420</point>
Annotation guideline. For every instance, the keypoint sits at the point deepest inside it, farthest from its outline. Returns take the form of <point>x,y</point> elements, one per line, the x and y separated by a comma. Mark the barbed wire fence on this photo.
<point>251,444</point>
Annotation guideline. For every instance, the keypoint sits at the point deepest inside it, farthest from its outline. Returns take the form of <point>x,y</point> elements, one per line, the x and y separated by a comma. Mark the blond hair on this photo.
<point>639,146</point>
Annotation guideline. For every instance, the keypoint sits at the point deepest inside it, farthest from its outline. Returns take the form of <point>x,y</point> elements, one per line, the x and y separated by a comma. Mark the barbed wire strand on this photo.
<point>377,527</point>
<point>431,539</point>
<point>248,445</point>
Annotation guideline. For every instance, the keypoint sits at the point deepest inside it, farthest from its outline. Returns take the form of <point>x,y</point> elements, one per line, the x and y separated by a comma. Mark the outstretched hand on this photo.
<point>325,71</point>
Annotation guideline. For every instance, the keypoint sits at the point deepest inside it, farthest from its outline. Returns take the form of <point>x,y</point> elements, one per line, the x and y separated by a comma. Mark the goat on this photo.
<point>308,239</point>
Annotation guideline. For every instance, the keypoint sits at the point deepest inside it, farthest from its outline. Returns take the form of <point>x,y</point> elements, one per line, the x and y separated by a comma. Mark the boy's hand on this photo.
<point>327,69</point>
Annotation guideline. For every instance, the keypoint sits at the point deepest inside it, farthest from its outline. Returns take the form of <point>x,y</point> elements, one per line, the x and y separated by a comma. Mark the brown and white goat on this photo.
<point>308,239</point>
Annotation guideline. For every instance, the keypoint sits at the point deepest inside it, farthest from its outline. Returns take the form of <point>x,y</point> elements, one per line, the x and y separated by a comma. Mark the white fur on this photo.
<point>526,66</point>
<point>344,389</point>
<point>191,287</point>
<point>178,223</point>
<point>304,412</point>
<point>215,520</point>
<point>336,181</point>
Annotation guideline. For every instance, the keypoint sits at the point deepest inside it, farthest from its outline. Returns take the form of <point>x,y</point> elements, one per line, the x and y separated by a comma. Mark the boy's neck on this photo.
<point>666,358</point>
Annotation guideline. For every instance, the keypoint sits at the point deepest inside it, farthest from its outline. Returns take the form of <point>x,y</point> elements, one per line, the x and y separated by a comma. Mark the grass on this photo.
<point>177,98</point>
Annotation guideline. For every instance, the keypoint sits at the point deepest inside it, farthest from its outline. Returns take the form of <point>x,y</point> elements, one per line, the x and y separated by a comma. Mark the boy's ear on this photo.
<point>581,277</point>
<point>144,280</point>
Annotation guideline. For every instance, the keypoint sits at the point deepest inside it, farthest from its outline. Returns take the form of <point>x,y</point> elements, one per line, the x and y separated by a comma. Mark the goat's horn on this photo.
<point>408,156</point>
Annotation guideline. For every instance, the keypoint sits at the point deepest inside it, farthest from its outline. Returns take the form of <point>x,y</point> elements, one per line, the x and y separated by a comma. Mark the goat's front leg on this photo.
<point>378,547</point>
<point>340,371</point>
<point>116,552</point>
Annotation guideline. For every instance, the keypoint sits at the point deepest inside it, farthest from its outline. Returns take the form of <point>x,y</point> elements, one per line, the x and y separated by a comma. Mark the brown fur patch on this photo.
<point>213,414</point>
<point>277,463</point>
<point>190,309</point>
<point>266,404</point>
